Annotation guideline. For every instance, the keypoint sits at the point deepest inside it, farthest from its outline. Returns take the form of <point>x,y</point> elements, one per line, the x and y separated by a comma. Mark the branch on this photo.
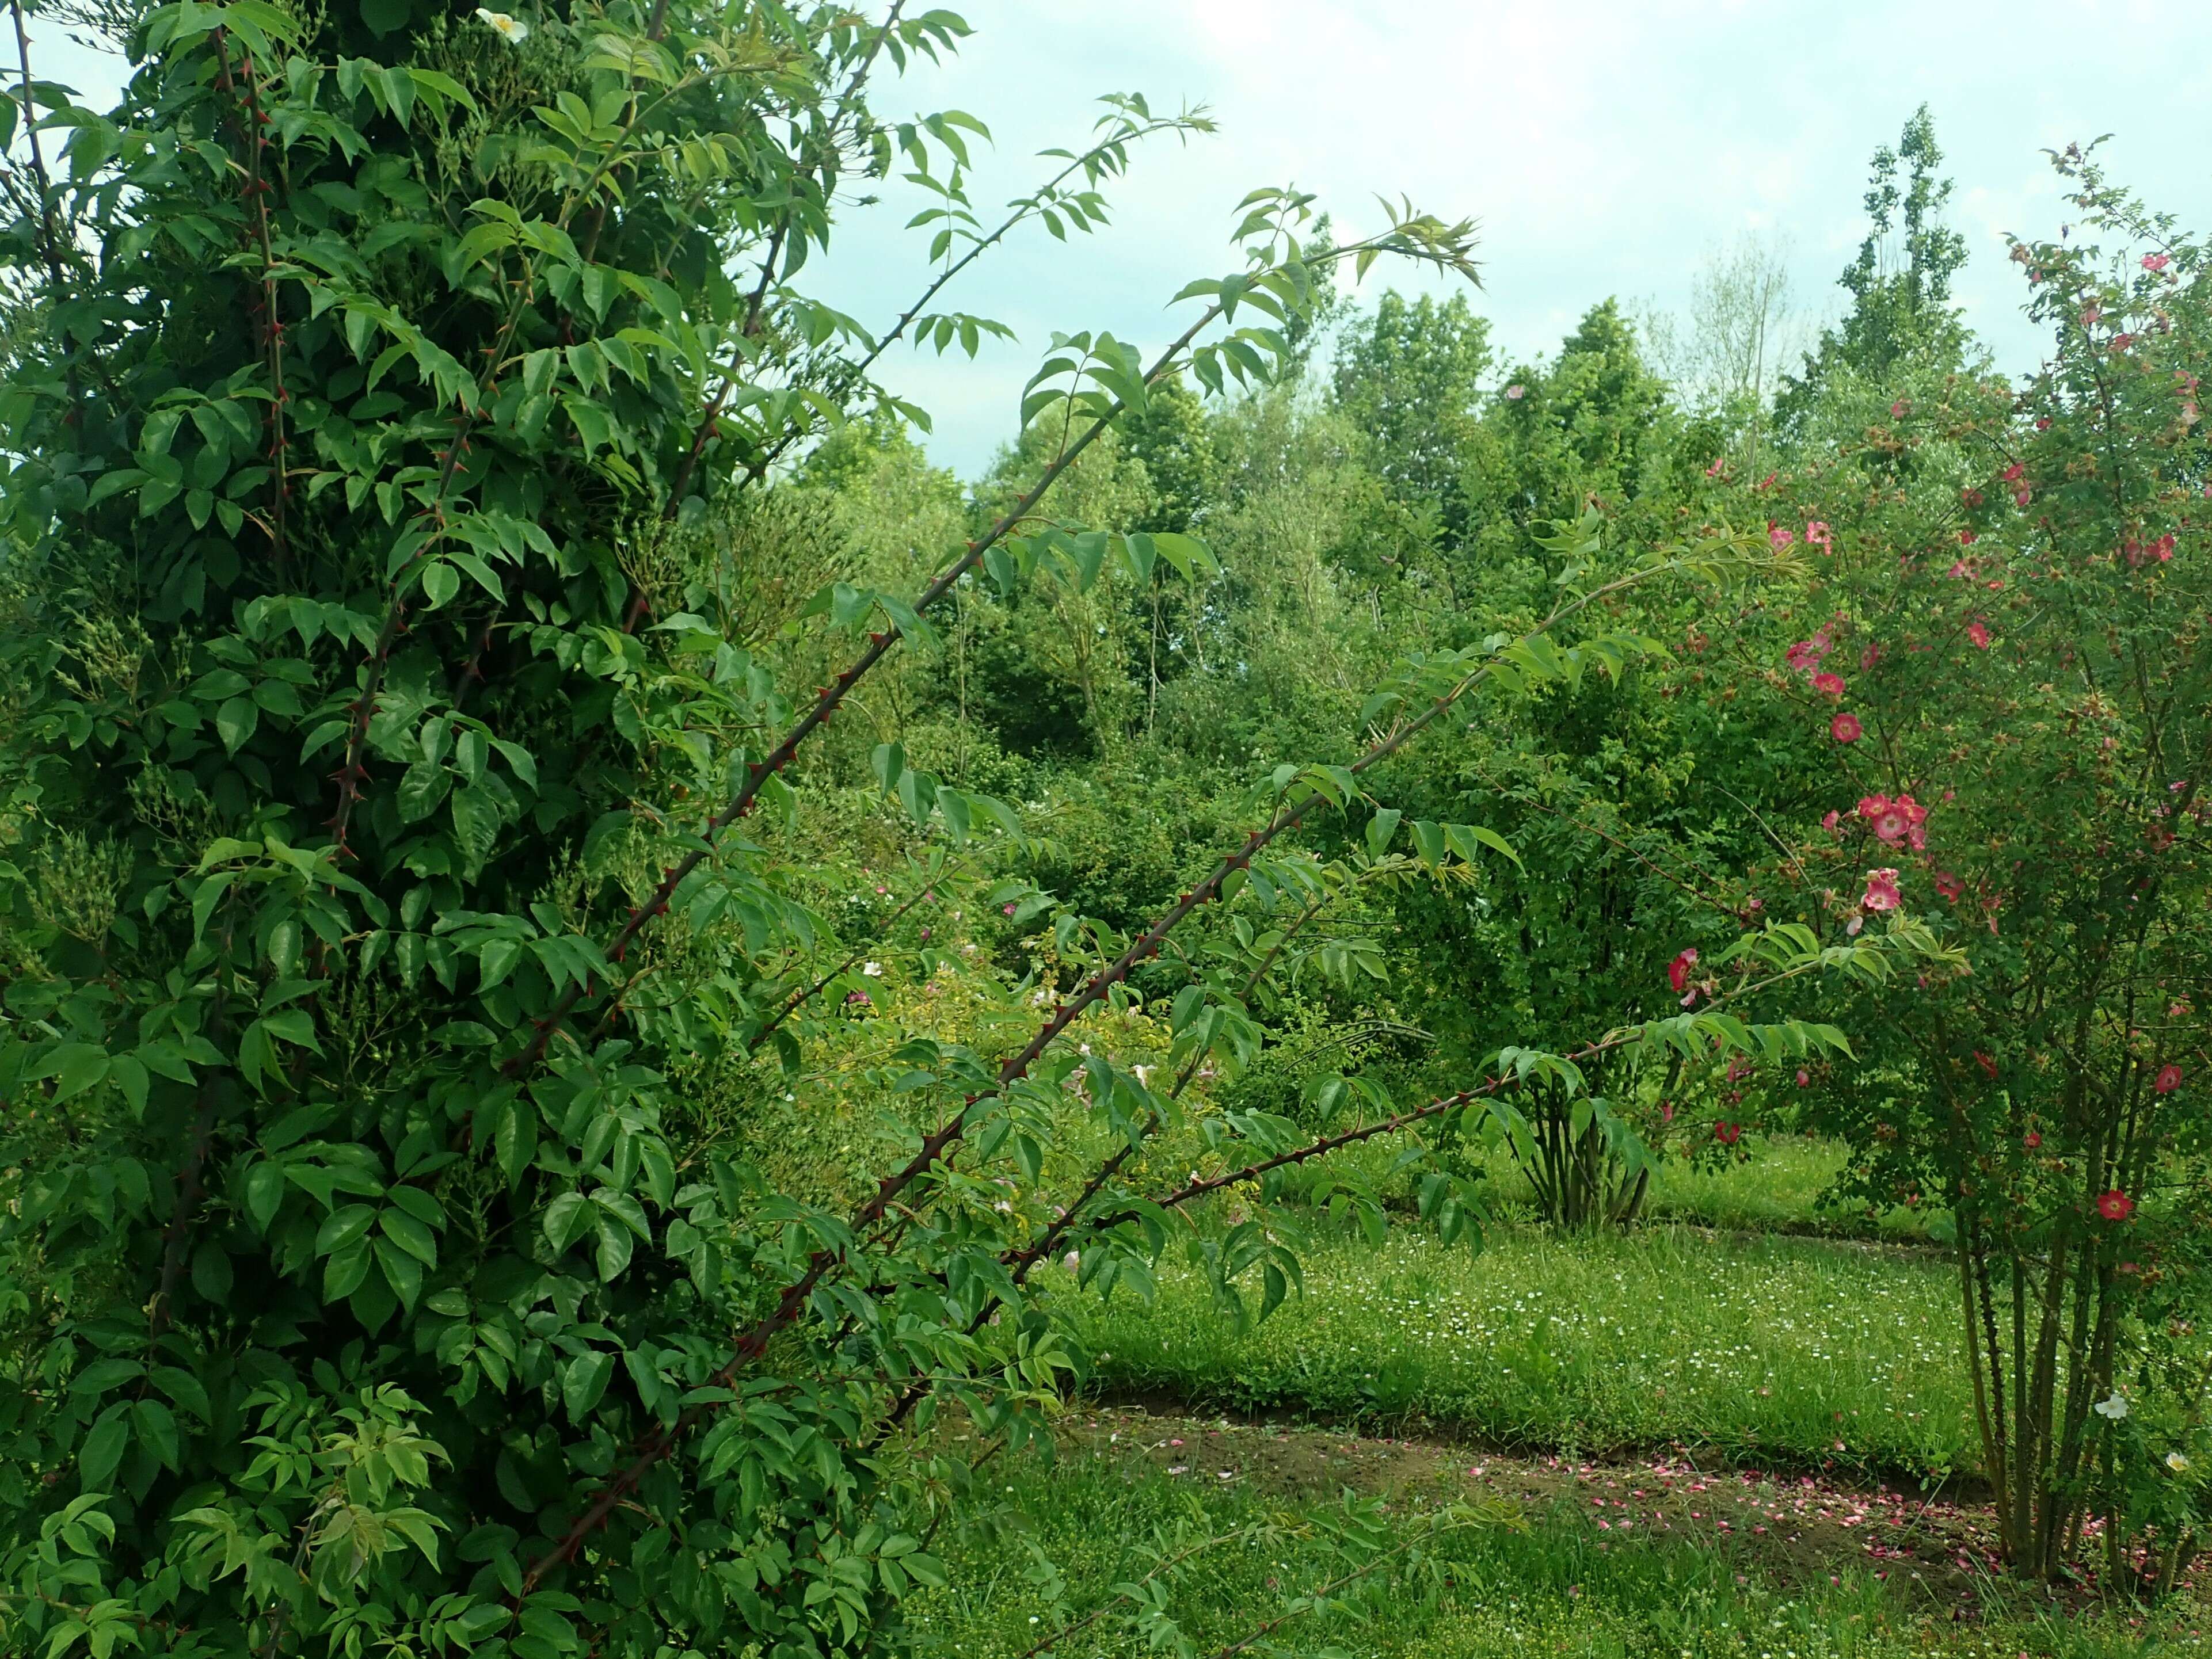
<point>825,705</point>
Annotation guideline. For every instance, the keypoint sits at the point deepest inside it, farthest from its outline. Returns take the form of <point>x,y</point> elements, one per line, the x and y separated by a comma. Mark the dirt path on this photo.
<point>1794,1526</point>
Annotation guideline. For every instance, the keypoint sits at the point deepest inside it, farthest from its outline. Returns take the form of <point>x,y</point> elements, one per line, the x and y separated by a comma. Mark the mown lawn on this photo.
<point>1764,1349</point>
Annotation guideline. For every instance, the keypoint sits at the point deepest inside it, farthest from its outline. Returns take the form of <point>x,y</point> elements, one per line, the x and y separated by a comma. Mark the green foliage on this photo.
<point>1408,377</point>
<point>1900,299</point>
<point>522,1115</point>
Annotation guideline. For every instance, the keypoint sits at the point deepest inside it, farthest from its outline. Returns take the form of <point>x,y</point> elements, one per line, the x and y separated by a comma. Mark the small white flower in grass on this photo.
<point>873,970</point>
<point>511,29</point>
<point>2178,1461</point>
<point>2116,1408</point>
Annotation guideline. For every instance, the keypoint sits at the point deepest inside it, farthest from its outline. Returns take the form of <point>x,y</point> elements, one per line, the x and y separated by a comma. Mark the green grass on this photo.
<point>1777,1188</point>
<point>1763,1349</point>
<point>1547,1585</point>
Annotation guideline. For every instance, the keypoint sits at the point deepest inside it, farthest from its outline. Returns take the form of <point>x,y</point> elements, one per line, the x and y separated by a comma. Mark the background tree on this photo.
<point>1900,283</point>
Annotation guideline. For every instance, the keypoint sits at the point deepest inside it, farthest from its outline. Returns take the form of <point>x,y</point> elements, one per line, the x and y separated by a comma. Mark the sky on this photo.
<point>1606,146</point>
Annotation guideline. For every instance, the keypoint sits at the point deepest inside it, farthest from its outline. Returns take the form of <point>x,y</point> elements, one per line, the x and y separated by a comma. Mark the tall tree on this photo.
<point>1900,280</point>
<point>1409,376</point>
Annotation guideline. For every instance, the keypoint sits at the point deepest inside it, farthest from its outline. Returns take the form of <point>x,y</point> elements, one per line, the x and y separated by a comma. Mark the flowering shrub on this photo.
<point>2024,582</point>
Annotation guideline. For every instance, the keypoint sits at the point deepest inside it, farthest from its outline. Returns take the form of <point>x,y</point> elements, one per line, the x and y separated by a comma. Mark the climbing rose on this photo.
<point>1870,657</point>
<point>1726,1133</point>
<point>1805,655</point>
<point>1831,819</point>
<point>1845,729</point>
<point>1678,971</point>
<point>1897,409</point>
<point>1516,392</point>
<point>1895,820</point>
<point>2169,1079</point>
<point>1804,1078</point>
<point>1978,632</point>
<point>1830,684</point>
<point>2154,262</point>
<point>1882,891</point>
<point>1949,885</point>
<point>2032,1140</point>
<point>1779,537</point>
<point>1817,535</point>
<point>2115,1206</point>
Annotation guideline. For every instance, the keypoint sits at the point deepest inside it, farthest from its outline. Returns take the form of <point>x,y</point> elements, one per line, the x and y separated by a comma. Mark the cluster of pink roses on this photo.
<point>1900,822</point>
<point>1897,821</point>
<point>1817,533</point>
<point>2140,553</point>
<point>1805,655</point>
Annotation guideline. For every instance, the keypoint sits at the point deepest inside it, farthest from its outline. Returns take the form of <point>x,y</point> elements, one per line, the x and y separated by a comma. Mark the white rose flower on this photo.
<point>512,30</point>
<point>2116,1408</point>
<point>2178,1461</point>
<point>873,970</point>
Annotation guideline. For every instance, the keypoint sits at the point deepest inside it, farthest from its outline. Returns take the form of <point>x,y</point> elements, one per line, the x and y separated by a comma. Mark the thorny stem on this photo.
<point>188,1178</point>
<point>241,86</point>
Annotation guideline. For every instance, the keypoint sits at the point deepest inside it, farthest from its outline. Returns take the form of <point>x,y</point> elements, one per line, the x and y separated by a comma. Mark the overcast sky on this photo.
<point>1607,147</point>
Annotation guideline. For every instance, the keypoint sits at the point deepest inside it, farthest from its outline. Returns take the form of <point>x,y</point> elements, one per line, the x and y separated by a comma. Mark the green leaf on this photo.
<point>616,1244</point>
<point>236,721</point>
<point>402,1271</point>
<point>567,1219</point>
<point>264,1194</point>
<point>422,787</point>
<point>583,1381</point>
<point>74,1067</point>
<point>103,1449</point>
<point>476,822</point>
<point>410,1235</point>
